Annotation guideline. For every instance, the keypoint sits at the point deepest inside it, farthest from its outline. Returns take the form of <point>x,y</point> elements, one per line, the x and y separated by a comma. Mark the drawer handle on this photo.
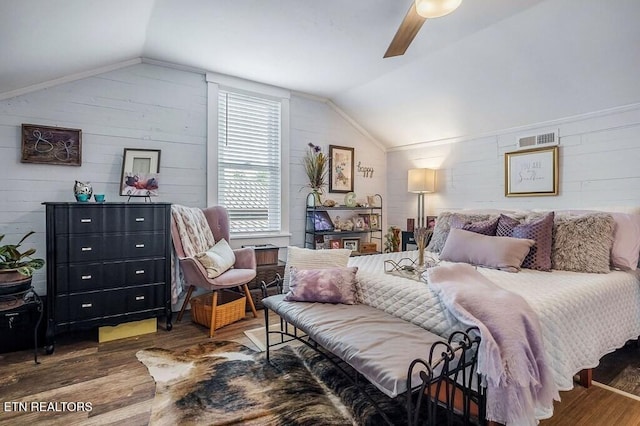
<point>140,271</point>
<point>139,297</point>
<point>139,219</point>
<point>86,277</point>
<point>86,248</point>
<point>85,220</point>
<point>139,245</point>
<point>87,305</point>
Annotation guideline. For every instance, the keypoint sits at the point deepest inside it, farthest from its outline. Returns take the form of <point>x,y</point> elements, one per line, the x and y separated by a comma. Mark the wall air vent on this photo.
<point>536,141</point>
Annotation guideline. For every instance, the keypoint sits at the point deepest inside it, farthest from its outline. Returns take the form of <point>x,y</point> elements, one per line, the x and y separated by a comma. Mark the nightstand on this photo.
<point>21,313</point>
<point>407,238</point>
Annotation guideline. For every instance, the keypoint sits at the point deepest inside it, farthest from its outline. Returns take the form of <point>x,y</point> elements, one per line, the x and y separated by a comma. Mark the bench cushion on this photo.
<point>378,345</point>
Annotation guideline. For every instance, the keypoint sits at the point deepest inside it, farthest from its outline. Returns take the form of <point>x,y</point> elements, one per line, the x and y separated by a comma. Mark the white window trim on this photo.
<point>214,82</point>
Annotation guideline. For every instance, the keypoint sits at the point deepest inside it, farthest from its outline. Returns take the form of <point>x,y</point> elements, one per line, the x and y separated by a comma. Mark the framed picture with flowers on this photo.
<point>340,169</point>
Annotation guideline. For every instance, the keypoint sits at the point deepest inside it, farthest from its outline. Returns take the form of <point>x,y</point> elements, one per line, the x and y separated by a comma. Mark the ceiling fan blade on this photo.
<point>406,33</point>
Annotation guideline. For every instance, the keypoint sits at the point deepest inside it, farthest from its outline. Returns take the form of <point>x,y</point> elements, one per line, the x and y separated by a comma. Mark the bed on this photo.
<point>563,274</point>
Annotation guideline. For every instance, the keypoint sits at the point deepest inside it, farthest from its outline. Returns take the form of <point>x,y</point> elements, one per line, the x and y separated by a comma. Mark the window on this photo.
<point>249,161</point>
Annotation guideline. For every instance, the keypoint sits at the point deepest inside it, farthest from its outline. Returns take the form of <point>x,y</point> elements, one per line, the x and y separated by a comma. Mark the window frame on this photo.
<point>216,82</point>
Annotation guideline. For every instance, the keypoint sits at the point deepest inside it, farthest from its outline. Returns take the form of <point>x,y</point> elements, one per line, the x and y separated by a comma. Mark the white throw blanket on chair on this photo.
<point>195,236</point>
<point>511,357</point>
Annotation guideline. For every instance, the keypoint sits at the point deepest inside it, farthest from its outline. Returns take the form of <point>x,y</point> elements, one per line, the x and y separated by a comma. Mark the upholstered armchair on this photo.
<point>194,231</point>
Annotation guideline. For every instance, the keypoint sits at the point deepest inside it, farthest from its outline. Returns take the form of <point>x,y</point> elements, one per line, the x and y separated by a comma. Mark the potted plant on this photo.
<point>16,267</point>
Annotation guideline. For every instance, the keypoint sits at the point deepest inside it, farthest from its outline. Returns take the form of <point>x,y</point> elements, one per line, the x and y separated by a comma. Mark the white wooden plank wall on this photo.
<point>141,106</point>
<point>599,157</point>
<point>152,107</point>
<point>317,122</point>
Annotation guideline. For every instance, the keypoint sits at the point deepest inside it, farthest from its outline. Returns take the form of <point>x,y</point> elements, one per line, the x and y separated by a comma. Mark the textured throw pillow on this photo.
<point>484,227</point>
<point>503,253</point>
<point>582,243</point>
<point>541,231</point>
<point>327,285</point>
<point>303,258</point>
<point>506,225</point>
<point>441,231</point>
<point>217,259</point>
<point>625,251</point>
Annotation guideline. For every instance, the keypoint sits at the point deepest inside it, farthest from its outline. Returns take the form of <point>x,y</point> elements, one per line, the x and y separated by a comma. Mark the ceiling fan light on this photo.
<point>436,8</point>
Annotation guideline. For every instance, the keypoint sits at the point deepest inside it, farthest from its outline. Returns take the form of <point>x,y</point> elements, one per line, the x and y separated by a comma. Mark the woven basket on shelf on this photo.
<point>230,308</point>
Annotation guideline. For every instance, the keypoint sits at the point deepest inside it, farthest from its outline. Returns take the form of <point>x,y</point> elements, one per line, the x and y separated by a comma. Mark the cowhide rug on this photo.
<point>223,383</point>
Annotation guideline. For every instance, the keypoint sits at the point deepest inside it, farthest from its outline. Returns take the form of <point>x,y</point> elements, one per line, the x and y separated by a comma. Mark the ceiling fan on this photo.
<point>419,11</point>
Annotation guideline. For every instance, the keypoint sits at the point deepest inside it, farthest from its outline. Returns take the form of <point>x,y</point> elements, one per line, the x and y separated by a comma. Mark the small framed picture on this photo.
<point>352,244</point>
<point>335,244</point>
<point>140,172</point>
<point>374,221</point>
<point>358,223</point>
<point>431,222</point>
<point>365,220</point>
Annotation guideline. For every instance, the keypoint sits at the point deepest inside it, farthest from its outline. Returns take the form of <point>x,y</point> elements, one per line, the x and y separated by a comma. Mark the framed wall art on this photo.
<point>531,172</point>
<point>51,145</point>
<point>140,172</point>
<point>340,169</point>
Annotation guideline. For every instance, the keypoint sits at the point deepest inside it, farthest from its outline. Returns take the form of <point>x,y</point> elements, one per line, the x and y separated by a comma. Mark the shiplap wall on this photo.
<point>599,158</point>
<point>318,123</point>
<point>152,107</point>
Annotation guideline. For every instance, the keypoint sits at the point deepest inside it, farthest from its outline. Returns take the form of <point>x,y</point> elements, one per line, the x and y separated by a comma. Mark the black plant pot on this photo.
<point>13,282</point>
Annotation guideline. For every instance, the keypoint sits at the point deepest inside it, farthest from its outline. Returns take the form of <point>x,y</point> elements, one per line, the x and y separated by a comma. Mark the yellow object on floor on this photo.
<point>128,329</point>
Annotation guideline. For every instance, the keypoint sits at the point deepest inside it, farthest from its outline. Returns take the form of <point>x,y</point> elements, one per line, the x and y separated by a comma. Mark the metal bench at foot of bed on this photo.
<point>446,377</point>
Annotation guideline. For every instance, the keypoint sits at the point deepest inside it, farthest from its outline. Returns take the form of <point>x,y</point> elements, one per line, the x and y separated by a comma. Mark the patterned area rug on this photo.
<point>621,369</point>
<point>227,383</point>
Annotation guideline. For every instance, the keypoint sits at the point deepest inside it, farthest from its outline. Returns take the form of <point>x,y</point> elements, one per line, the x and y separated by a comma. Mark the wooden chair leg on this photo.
<point>186,301</point>
<point>214,303</point>
<point>250,300</point>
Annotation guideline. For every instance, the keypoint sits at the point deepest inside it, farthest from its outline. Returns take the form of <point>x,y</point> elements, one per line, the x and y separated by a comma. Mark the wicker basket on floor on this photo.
<point>230,308</point>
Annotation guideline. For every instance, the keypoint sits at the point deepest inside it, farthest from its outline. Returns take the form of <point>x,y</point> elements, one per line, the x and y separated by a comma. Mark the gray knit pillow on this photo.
<point>443,225</point>
<point>582,243</point>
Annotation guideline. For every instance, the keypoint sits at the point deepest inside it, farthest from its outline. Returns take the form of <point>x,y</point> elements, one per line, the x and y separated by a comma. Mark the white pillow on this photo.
<point>302,258</point>
<point>217,259</point>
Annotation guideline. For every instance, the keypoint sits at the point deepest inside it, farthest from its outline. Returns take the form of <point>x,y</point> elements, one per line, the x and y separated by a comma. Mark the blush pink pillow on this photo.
<point>503,253</point>
<point>327,285</point>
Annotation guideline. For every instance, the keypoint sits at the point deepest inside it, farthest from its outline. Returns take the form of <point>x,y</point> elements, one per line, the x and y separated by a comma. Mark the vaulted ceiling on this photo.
<point>489,66</point>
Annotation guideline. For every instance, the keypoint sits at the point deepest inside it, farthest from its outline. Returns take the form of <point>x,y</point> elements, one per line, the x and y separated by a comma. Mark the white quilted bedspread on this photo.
<point>583,316</point>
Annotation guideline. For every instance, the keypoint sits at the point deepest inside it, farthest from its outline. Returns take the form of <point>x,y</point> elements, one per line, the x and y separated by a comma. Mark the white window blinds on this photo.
<point>249,149</point>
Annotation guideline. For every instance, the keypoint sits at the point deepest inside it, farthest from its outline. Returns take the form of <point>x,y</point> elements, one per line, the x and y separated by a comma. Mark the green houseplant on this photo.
<point>16,266</point>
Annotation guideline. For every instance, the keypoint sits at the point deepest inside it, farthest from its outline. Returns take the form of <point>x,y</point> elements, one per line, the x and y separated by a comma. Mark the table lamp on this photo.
<point>421,181</point>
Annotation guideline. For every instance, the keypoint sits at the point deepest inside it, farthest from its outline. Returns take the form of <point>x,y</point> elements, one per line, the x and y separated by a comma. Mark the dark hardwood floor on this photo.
<point>120,390</point>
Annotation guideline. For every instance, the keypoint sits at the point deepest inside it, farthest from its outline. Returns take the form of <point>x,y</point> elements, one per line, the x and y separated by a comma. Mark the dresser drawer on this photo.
<point>86,220</point>
<point>136,218</point>
<point>87,248</point>
<point>145,244</point>
<point>78,307</point>
<point>146,297</point>
<point>83,277</point>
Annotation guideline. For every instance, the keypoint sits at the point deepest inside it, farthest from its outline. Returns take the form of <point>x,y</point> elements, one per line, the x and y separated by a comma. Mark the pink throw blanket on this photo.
<point>511,357</point>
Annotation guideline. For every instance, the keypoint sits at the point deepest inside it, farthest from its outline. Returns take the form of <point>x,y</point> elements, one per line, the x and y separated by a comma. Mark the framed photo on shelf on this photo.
<point>431,222</point>
<point>374,221</point>
<point>322,221</point>
<point>335,244</point>
<point>320,242</point>
<point>340,169</point>
<point>351,243</point>
<point>140,172</point>
<point>358,223</point>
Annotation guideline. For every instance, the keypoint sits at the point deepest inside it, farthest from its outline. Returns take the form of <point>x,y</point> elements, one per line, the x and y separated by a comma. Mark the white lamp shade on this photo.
<point>421,181</point>
<point>436,8</point>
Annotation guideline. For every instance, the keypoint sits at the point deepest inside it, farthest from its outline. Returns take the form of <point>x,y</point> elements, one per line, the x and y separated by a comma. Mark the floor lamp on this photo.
<point>421,181</point>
